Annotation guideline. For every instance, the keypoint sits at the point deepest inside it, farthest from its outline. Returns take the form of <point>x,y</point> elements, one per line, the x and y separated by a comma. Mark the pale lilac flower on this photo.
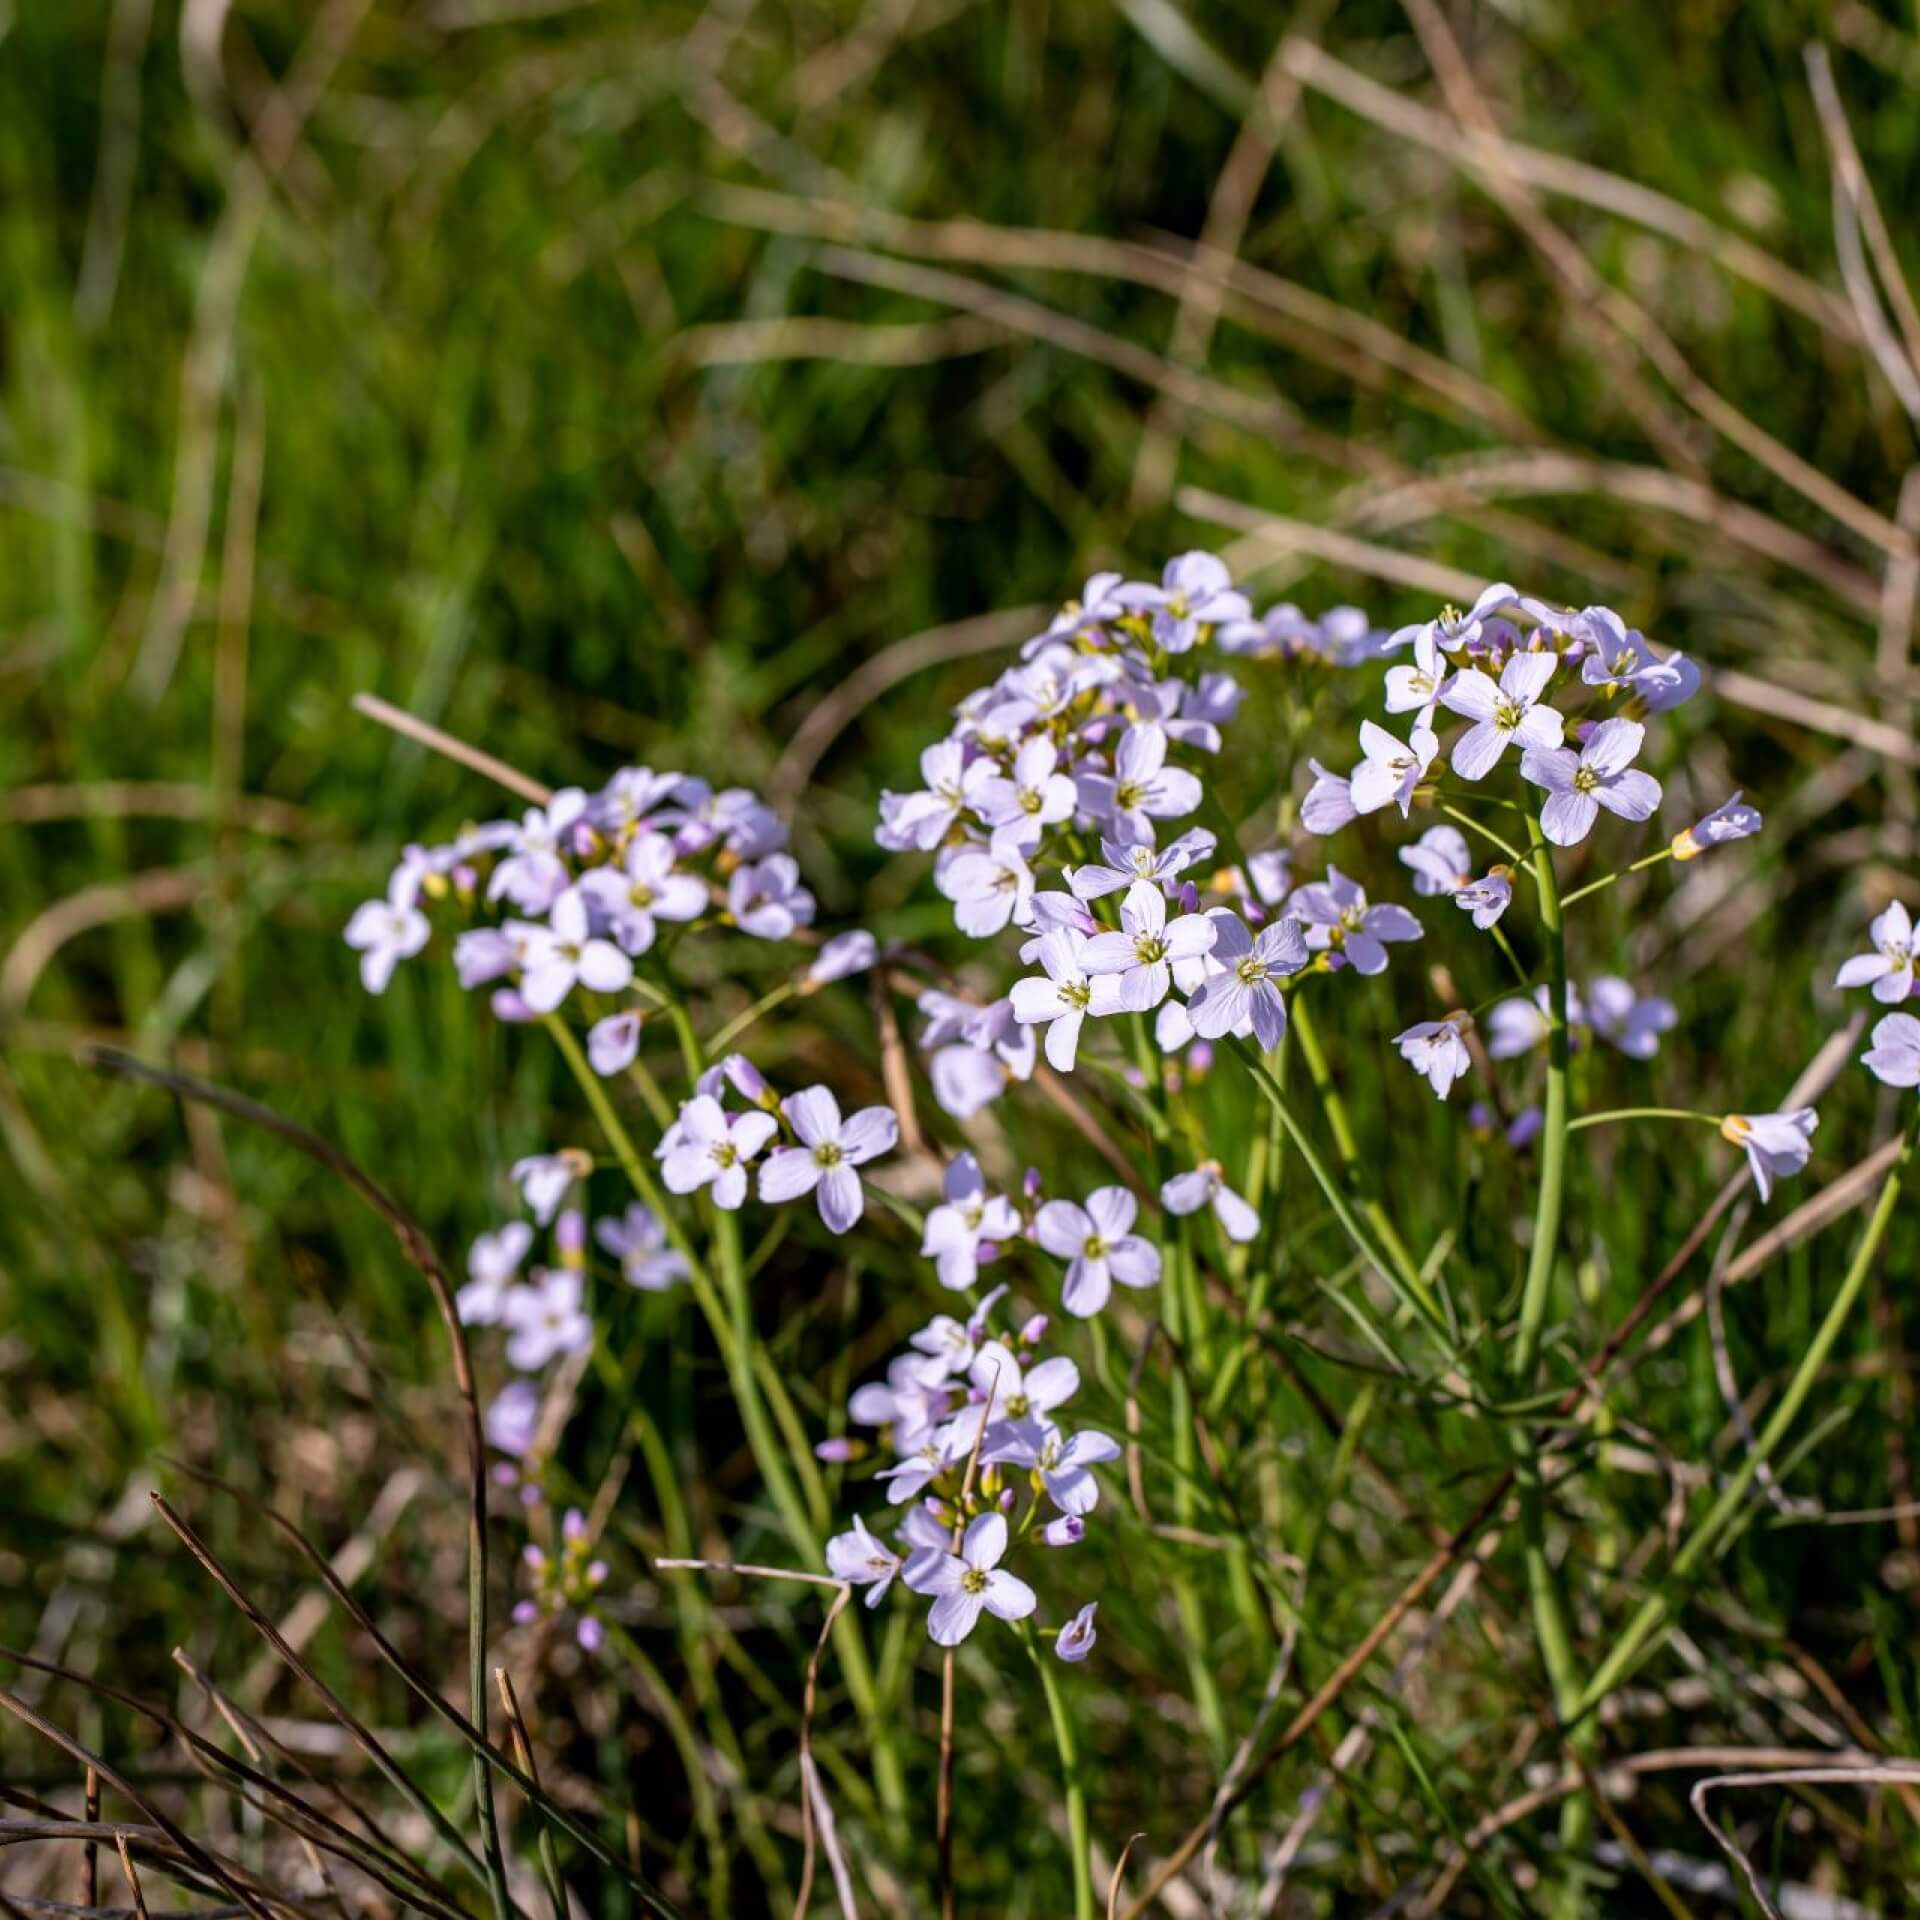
<point>543,1179</point>
<point>1270,874</point>
<point>909,1402</point>
<point>1195,590</point>
<point>1600,775</point>
<point>971,1581</point>
<point>1204,707</point>
<point>565,953</point>
<point>965,1080</point>
<point>1140,861</point>
<point>1065,993</point>
<point>485,953</point>
<point>862,1561</point>
<point>946,1347</point>
<point>613,1043</point>
<point>767,900</point>
<point>1206,1186</point>
<point>1417,688</point>
<point>1065,1530</point>
<point>823,1164</point>
<point>968,1215</point>
<point>750,828</point>
<point>1616,657</point>
<point>638,1241</point>
<point>988,885</point>
<point>925,818</point>
<point>1337,917</point>
<point>1246,990</point>
<point>1142,952</point>
<point>1099,604</point>
<point>934,1451</point>
<point>1076,1638</point>
<point>1452,629</point>
<point>385,932</point>
<point>1894,1057</point>
<point>641,887</point>
<point>1502,714</point>
<point>1728,821</point>
<point>1775,1143</point>
<point>533,876</point>
<point>1440,861</point>
<point>1889,968</point>
<point>1142,787</point>
<point>843,956</point>
<point>1099,1246</point>
<point>513,1417</point>
<point>1488,898</point>
<point>1037,795</point>
<point>1004,1390</point>
<point>1392,768</point>
<point>1437,1050</point>
<point>1618,1014</point>
<point>547,1319</point>
<point>626,800</point>
<point>1064,1463</point>
<point>492,1262</point>
<point>709,1146</point>
<point>1329,803</point>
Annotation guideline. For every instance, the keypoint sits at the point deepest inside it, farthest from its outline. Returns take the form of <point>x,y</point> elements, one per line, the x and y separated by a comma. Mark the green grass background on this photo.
<point>498,350</point>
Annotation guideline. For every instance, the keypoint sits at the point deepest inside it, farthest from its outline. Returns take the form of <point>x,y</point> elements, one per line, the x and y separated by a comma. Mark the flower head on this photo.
<point>492,1263</point>
<point>970,1582</point>
<point>565,952</point>
<point>1337,916</point>
<point>1502,713</point>
<point>1142,788</point>
<point>829,1151</point>
<point>385,932</point>
<point>1889,968</point>
<point>1437,1049</point>
<point>1600,775</point>
<point>1143,953</point>
<point>638,1240</point>
<point>1245,992</point>
<point>1392,768</point>
<point>968,1215</point>
<point>710,1147</point>
<point>862,1561</point>
<point>547,1319</point>
<point>1440,861</point>
<point>1099,1246</point>
<point>1894,1057</point>
<point>1077,1636</point>
<point>1206,1186</point>
<point>1065,992</point>
<point>1488,898</point>
<point>1775,1143</point>
<point>641,888</point>
<point>1195,591</point>
<point>1731,820</point>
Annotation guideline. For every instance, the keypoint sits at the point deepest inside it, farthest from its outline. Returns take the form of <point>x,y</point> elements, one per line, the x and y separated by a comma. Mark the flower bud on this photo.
<point>1035,1330</point>
<point>1067,1531</point>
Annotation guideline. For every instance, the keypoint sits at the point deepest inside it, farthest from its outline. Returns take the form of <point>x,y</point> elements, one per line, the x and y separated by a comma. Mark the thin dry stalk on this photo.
<point>133,1876</point>
<point>90,1856</point>
<point>402,722</point>
<point>815,1812</point>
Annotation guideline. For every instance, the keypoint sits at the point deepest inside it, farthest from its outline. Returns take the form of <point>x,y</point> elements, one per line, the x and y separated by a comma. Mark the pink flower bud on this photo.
<point>1035,1330</point>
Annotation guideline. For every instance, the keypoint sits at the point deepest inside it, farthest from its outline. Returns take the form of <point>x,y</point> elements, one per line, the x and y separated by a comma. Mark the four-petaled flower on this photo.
<point>1195,590</point>
<point>642,887</point>
<point>1142,953</point>
<point>1392,768</point>
<point>1488,898</point>
<point>970,1582</point>
<point>862,1561</point>
<point>708,1145</point>
<point>1600,775</point>
<point>1775,1143</point>
<point>1889,968</point>
<point>1337,917</point>
<point>547,1318</point>
<point>1501,714</point>
<point>1246,990</point>
<point>1099,1246</point>
<point>969,1215</point>
<point>1142,787</point>
<point>1065,993</point>
<point>638,1240</point>
<point>829,1151</point>
<point>1037,795</point>
<point>565,953</point>
<point>385,932</point>
<point>1206,1186</point>
<point>1894,1057</point>
<point>1437,1049</point>
<point>1078,1635</point>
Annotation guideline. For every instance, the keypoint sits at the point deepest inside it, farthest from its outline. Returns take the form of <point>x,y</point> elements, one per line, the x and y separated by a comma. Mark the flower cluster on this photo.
<point>982,1469</point>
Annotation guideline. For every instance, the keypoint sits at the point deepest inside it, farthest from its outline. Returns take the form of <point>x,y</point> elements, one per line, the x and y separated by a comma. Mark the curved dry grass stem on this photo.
<point>402,722</point>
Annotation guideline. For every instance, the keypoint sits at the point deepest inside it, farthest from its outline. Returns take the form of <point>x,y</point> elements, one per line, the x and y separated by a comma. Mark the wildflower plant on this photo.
<point>1163,983</point>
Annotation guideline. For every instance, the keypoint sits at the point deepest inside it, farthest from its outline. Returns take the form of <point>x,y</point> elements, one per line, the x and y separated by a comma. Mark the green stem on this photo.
<point>1543,1586</point>
<point>740,1349</point>
<point>1076,1792</point>
<point>1642,1113</point>
<point>742,1021</point>
<point>1595,886</point>
<point>1514,856</point>
<point>1657,1609</point>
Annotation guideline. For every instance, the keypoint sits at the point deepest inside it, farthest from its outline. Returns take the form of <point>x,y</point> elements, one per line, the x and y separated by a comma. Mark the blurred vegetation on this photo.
<point>609,382</point>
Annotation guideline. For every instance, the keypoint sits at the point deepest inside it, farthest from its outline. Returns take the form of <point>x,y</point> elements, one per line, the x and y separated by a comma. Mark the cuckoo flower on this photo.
<point>765,898</point>
<point>972,1581</point>
<point>709,1146</point>
<point>613,1044</point>
<point>1889,968</point>
<point>1775,1143</point>
<point>1195,590</point>
<point>1487,899</point>
<point>1063,996</point>
<point>1064,1462</point>
<point>534,875</point>
<point>547,1319</point>
<point>988,885</point>
<point>639,1242</point>
<point>1206,1186</point>
<point>1600,775</point>
<point>1392,768</point>
<point>1729,821</point>
<point>1440,861</point>
<point>385,932</point>
<point>492,1262</point>
<point>1140,861</point>
<point>1037,795</point>
<point>1078,1635</point>
<point>1247,987</point>
<point>1501,713</point>
<point>925,818</point>
<point>1417,688</point>
<point>1336,916</point>
<point>565,953</point>
<point>1619,1015</point>
<point>968,1215</point>
<point>543,1179</point>
<point>829,1151</point>
<point>862,1561</point>
<point>640,888</point>
<point>1099,1246</point>
<point>1142,788</point>
<point>1329,803</point>
<point>1617,658</point>
<point>1142,953</point>
<point>1437,1049</point>
<point>1894,1057</point>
